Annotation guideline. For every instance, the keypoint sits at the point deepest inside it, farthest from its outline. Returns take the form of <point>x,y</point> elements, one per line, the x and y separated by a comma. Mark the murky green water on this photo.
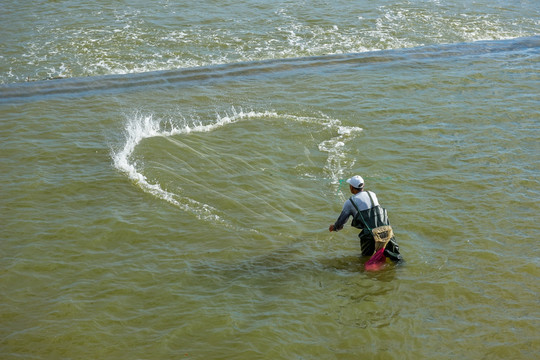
<point>184,213</point>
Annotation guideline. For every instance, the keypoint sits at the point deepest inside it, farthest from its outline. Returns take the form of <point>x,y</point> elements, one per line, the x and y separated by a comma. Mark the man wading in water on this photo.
<point>369,216</point>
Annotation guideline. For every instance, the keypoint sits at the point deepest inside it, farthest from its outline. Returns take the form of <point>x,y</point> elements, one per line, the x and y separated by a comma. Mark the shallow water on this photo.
<point>182,212</point>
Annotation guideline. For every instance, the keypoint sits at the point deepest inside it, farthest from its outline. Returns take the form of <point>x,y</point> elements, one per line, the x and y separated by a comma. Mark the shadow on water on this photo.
<point>351,264</point>
<point>292,261</point>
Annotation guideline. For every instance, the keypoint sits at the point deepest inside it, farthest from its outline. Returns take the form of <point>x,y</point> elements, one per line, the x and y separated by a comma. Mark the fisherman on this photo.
<point>371,215</point>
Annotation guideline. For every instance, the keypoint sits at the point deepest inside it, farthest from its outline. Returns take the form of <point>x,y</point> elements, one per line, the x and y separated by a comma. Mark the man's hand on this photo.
<point>332,228</point>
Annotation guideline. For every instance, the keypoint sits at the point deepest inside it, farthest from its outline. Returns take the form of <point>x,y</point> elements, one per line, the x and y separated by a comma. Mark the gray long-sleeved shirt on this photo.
<point>362,201</point>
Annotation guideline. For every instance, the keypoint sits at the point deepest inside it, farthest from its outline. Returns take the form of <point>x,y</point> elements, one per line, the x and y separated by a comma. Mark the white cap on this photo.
<point>356,181</point>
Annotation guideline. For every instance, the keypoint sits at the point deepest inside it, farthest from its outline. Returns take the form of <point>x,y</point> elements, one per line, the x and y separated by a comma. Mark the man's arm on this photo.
<point>343,217</point>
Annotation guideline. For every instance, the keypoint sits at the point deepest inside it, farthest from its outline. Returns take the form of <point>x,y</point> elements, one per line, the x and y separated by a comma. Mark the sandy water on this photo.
<point>183,212</point>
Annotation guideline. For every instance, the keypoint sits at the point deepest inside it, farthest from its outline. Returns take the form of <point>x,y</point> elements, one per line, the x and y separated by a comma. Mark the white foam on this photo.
<point>140,127</point>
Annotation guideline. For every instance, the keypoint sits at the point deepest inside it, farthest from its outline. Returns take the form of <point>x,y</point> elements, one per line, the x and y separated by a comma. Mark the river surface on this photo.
<point>169,171</point>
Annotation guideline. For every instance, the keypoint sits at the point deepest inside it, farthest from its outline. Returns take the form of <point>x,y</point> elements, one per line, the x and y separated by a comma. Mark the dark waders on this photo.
<point>370,219</point>
<point>367,245</point>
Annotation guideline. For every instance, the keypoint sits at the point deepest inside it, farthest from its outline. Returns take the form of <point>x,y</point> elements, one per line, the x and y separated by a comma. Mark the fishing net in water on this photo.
<point>376,262</point>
